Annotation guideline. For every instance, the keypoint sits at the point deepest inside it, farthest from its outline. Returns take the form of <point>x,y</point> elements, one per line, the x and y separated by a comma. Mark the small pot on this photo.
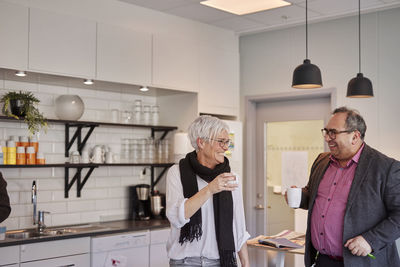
<point>16,107</point>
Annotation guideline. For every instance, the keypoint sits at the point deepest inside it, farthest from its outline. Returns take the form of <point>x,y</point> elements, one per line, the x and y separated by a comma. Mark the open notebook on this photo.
<point>280,242</point>
<point>285,239</point>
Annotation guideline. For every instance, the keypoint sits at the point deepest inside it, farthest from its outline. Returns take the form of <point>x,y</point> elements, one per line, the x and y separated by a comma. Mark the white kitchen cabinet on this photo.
<point>82,260</point>
<point>175,63</point>
<point>57,249</point>
<point>9,256</point>
<point>62,44</point>
<point>123,55</point>
<point>158,250</point>
<point>219,81</point>
<point>14,36</point>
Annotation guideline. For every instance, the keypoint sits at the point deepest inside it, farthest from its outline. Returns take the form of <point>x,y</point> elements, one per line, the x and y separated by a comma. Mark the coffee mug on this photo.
<point>236,181</point>
<point>109,157</point>
<point>85,156</point>
<point>294,197</point>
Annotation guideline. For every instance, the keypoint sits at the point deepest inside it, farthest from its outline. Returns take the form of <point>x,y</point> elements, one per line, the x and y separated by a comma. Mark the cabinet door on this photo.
<point>62,44</point>
<point>219,81</point>
<point>123,55</point>
<point>14,36</point>
<point>158,250</point>
<point>175,63</point>
<point>9,255</point>
<point>82,260</point>
<point>52,249</point>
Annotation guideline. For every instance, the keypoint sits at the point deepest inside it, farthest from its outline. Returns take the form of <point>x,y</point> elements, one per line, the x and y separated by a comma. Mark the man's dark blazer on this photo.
<point>372,210</point>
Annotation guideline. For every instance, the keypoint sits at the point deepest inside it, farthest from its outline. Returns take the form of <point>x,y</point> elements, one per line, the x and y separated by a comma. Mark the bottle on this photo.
<point>21,158</point>
<point>11,153</point>
<point>30,155</point>
<point>23,141</point>
<point>34,142</point>
<point>4,151</point>
<point>40,158</point>
<point>1,156</point>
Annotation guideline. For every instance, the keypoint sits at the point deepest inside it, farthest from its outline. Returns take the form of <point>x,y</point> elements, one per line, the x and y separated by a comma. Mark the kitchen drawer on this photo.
<point>82,260</point>
<point>52,249</point>
<point>9,255</point>
<point>159,236</point>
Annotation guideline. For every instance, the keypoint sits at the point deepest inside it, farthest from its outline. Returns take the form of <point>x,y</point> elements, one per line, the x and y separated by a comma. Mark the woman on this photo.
<point>205,203</point>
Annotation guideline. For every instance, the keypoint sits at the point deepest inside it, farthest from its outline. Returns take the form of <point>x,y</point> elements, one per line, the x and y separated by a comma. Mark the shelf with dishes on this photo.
<point>81,142</point>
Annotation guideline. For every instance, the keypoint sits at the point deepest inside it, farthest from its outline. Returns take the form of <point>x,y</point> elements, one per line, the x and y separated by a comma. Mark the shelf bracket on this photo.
<point>77,178</point>
<point>154,183</point>
<point>77,135</point>
<point>165,132</point>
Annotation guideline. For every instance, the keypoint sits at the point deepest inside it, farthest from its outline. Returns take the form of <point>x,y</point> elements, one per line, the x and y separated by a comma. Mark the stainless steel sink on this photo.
<point>55,231</point>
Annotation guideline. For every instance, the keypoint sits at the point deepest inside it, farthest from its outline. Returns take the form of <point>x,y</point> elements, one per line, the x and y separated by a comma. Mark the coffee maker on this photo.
<point>139,202</point>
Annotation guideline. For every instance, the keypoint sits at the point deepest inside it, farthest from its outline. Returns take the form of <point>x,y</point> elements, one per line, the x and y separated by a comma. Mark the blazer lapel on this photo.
<point>359,176</point>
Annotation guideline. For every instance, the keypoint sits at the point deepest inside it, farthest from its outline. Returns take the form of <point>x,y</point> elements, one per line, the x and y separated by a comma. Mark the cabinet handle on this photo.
<point>69,265</point>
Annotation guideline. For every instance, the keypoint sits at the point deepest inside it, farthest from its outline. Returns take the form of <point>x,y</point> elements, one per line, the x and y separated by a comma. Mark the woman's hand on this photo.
<point>224,182</point>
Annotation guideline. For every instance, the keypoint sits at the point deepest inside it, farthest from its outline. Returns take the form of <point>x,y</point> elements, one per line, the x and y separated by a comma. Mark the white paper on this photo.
<point>294,169</point>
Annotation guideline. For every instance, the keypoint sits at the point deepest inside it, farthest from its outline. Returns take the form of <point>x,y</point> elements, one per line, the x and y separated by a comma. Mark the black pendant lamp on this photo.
<point>359,86</point>
<point>307,75</point>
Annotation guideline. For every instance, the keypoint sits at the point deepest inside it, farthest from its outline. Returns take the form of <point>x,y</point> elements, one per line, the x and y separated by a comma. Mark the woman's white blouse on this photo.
<point>207,245</point>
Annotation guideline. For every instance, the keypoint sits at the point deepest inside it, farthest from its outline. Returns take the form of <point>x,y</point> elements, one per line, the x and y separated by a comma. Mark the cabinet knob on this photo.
<point>259,207</point>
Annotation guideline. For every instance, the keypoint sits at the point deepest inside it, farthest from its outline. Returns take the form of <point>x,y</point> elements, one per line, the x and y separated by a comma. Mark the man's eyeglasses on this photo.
<point>333,132</point>
<point>222,143</point>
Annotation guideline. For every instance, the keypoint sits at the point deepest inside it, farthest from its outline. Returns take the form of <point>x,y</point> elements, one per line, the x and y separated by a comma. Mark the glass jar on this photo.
<point>126,116</point>
<point>146,114</point>
<point>137,110</point>
<point>134,150</point>
<point>155,115</point>
<point>150,150</point>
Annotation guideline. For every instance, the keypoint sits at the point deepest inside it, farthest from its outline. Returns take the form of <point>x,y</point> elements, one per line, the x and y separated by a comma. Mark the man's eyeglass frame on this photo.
<point>333,132</point>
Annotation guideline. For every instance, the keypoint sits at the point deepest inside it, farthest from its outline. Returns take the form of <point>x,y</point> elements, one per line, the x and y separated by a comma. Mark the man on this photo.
<point>353,198</point>
<point>5,208</point>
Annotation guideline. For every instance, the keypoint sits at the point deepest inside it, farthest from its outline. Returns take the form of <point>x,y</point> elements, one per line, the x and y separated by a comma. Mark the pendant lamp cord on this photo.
<point>359,36</point>
<point>306,29</point>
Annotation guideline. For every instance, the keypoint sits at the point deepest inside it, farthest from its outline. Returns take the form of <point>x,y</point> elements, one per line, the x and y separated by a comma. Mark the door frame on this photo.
<point>250,159</point>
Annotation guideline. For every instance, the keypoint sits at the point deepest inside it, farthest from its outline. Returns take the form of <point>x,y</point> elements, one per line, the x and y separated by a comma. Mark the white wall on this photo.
<point>268,60</point>
<point>104,196</point>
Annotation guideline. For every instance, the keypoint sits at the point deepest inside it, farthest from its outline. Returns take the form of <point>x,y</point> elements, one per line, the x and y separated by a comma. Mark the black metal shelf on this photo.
<point>77,136</point>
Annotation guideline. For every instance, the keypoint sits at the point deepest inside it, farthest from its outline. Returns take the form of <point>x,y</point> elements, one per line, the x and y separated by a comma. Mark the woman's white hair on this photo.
<point>205,127</point>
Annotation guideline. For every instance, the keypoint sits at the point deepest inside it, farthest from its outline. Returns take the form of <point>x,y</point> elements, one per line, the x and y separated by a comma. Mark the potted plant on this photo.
<point>23,105</point>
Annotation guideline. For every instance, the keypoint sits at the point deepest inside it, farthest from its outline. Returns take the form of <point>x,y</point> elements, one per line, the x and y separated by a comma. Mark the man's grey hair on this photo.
<point>205,127</point>
<point>354,120</point>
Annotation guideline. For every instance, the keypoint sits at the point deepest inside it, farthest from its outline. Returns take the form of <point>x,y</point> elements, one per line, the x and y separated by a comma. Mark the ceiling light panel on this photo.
<point>242,7</point>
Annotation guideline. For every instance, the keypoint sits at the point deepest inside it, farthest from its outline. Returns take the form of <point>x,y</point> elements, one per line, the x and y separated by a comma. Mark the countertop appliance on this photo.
<point>121,250</point>
<point>139,202</point>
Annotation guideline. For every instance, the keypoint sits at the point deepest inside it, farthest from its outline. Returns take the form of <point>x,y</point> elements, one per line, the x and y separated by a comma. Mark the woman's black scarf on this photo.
<point>223,207</point>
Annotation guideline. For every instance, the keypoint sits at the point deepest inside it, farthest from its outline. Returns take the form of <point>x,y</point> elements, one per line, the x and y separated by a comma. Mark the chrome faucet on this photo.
<point>34,200</point>
<point>40,214</point>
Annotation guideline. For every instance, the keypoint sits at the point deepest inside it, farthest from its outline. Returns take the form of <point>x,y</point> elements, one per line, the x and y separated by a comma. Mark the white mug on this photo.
<point>85,156</point>
<point>109,157</point>
<point>294,197</point>
<point>97,155</point>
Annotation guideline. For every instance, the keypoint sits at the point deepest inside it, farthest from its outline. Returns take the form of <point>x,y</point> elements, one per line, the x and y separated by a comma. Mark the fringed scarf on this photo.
<point>223,207</point>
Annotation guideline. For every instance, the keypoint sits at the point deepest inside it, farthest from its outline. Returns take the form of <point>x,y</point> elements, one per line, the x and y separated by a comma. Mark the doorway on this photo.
<point>262,113</point>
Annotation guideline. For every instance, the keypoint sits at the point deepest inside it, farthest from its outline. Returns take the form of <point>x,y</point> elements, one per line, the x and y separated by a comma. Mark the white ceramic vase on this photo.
<point>69,107</point>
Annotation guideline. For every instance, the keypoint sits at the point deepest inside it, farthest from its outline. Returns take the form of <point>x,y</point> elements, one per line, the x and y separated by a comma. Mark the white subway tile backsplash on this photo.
<point>14,197</point>
<point>66,218</point>
<point>82,205</point>
<point>108,204</point>
<point>20,86</point>
<point>104,196</point>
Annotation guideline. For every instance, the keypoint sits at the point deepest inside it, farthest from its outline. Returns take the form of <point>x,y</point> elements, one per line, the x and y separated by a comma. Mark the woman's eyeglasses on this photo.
<point>222,142</point>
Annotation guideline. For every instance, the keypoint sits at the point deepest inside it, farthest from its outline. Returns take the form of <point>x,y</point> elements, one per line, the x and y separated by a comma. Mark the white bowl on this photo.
<point>69,107</point>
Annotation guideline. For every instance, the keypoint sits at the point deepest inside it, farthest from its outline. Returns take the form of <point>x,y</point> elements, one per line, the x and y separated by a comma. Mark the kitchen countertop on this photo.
<point>112,227</point>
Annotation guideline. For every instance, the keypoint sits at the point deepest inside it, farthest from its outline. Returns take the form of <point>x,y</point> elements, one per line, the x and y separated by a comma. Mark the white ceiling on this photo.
<point>266,20</point>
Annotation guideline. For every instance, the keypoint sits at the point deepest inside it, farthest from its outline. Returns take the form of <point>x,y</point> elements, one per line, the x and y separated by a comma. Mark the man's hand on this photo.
<point>358,246</point>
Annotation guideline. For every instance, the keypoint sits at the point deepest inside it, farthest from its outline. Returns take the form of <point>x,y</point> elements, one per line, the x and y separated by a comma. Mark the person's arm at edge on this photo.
<point>244,256</point>
<point>5,207</point>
